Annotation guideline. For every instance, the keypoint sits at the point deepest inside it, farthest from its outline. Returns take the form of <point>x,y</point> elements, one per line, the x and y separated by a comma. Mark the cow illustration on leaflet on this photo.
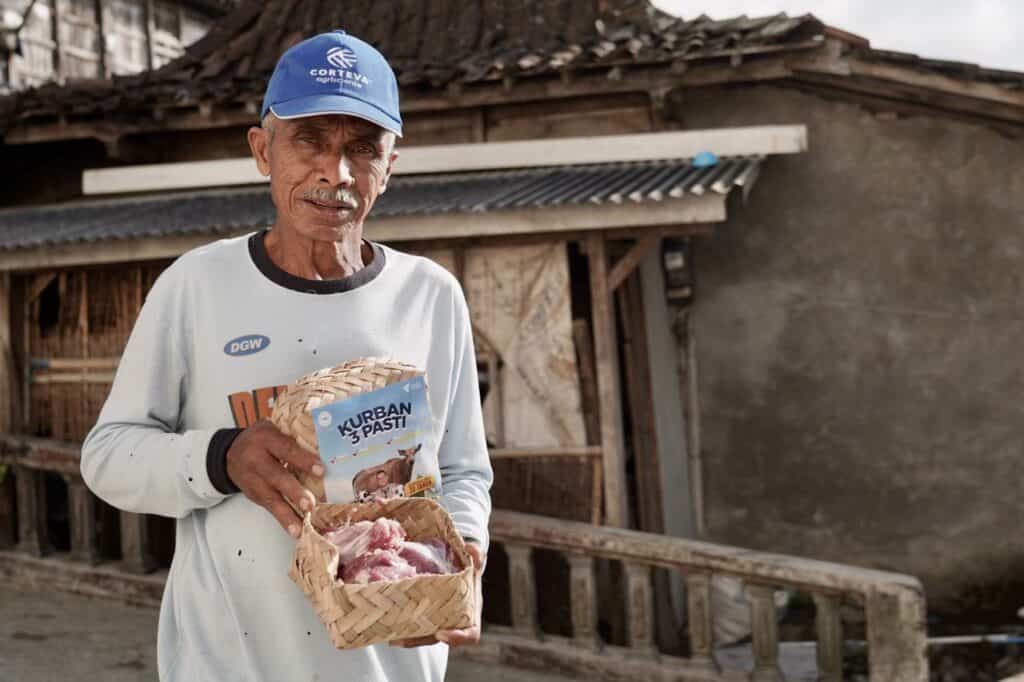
<point>388,480</point>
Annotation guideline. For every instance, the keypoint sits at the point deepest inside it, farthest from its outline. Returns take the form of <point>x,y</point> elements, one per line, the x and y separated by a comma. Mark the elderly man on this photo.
<point>182,433</point>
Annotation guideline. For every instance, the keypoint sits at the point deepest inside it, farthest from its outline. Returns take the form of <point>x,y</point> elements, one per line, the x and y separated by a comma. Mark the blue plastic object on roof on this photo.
<point>704,160</point>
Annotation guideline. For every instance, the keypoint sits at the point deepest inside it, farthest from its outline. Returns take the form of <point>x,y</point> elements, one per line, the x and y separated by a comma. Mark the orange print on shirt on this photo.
<point>248,407</point>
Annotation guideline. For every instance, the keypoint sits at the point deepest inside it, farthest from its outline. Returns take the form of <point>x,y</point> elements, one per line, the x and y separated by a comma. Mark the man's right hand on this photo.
<point>256,463</point>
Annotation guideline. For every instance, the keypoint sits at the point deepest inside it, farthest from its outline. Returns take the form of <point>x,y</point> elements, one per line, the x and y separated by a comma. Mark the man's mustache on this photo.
<point>321,194</point>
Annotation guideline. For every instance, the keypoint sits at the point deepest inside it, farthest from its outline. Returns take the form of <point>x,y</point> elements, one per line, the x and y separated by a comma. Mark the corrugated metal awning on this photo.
<point>230,210</point>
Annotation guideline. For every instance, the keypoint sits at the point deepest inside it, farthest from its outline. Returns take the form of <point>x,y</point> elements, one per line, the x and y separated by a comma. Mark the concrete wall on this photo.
<point>861,345</point>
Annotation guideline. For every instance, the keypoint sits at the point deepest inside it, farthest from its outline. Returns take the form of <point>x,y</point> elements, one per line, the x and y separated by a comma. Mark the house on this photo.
<point>62,41</point>
<point>839,338</point>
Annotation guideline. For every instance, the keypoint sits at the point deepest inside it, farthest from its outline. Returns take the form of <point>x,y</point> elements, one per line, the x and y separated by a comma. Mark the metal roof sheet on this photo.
<point>228,210</point>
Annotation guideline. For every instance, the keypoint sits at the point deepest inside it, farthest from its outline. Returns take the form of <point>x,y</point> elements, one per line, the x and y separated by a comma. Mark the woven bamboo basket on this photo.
<point>292,409</point>
<point>359,615</point>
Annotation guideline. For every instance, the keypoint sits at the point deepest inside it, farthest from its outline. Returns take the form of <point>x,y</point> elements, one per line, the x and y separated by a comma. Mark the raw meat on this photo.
<point>351,540</point>
<point>427,557</point>
<point>378,550</point>
<point>377,564</point>
<point>386,534</point>
<point>358,538</point>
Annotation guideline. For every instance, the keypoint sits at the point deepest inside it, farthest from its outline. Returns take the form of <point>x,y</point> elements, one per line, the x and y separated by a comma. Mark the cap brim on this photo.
<point>323,105</point>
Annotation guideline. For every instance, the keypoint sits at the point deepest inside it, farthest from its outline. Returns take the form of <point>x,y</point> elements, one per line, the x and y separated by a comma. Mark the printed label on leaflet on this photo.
<point>379,445</point>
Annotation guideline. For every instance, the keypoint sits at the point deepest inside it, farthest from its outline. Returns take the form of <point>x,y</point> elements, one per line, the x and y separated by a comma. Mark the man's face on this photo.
<point>325,172</point>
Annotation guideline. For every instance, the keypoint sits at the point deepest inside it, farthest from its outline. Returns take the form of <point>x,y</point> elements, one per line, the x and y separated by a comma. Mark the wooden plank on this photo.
<point>765,634</point>
<point>82,518</point>
<point>640,602</point>
<point>135,554</point>
<point>932,81</point>
<point>33,537</point>
<point>747,141</point>
<point>75,363</point>
<point>522,590</point>
<point>74,378</point>
<point>607,365</point>
<point>698,609</point>
<point>533,453</point>
<point>627,264</point>
<point>583,601</point>
<point>829,629</point>
<point>556,223</point>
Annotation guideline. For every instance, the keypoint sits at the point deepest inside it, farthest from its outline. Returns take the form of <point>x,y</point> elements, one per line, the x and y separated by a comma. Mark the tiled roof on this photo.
<point>430,45</point>
<point>222,211</point>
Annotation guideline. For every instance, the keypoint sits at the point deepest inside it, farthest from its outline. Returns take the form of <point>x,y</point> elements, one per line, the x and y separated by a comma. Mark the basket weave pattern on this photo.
<point>358,615</point>
<point>292,409</point>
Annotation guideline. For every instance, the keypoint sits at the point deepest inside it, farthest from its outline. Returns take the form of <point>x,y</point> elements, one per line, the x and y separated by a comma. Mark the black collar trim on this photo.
<point>260,257</point>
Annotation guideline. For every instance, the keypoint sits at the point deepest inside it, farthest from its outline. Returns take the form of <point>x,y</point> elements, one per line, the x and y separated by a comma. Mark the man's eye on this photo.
<point>363,148</point>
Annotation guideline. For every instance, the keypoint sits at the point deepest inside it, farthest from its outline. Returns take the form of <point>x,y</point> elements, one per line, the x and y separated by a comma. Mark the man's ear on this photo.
<point>387,174</point>
<point>259,145</point>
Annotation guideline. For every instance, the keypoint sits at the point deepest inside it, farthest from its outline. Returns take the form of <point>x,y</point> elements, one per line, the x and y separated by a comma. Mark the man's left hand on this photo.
<point>470,635</point>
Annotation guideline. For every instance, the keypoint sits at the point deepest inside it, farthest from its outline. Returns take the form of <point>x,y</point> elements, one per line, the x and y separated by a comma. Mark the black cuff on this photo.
<point>217,460</point>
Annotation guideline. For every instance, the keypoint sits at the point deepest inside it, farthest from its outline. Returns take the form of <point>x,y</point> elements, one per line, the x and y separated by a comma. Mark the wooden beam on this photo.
<point>534,453</point>
<point>748,141</point>
<point>932,81</point>
<point>555,222</point>
<point>60,573</point>
<point>607,362</point>
<point>628,262</point>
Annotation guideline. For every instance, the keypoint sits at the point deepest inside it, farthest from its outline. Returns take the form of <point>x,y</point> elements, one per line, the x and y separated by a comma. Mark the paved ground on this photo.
<point>48,637</point>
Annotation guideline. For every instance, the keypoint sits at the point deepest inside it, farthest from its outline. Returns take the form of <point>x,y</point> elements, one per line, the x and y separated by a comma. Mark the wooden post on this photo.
<point>150,29</point>
<point>830,638</point>
<point>698,606</point>
<point>135,544</point>
<point>8,366</point>
<point>33,537</point>
<point>523,587</point>
<point>583,599</point>
<point>607,362</point>
<point>588,403</point>
<point>765,634</point>
<point>82,518</point>
<point>641,609</point>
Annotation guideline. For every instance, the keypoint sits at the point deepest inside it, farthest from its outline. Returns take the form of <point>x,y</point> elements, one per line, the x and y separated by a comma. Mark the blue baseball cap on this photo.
<point>334,73</point>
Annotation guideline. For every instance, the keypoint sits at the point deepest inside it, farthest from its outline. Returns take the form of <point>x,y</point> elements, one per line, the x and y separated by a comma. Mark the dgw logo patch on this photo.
<point>246,345</point>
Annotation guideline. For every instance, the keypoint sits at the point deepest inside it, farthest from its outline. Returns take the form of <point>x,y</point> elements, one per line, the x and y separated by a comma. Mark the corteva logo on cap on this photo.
<point>344,59</point>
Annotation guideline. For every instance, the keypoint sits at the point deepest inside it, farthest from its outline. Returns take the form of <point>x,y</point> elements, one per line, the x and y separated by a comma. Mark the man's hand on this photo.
<point>470,635</point>
<point>256,463</point>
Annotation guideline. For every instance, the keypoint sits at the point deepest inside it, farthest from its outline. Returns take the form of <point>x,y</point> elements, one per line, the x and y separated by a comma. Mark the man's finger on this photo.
<point>461,637</point>
<point>271,500</point>
<point>288,486</point>
<point>287,450</point>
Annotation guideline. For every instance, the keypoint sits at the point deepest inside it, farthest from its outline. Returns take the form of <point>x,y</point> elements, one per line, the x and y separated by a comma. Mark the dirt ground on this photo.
<point>56,637</point>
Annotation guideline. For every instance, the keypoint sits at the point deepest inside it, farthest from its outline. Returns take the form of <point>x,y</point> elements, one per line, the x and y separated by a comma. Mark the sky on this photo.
<point>985,32</point>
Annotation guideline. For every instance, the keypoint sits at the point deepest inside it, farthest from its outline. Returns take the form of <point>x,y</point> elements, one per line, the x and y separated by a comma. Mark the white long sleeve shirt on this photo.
<point>229,610</point>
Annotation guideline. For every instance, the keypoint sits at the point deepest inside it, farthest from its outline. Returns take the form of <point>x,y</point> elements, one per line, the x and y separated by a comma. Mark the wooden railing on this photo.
<point>893,604</point>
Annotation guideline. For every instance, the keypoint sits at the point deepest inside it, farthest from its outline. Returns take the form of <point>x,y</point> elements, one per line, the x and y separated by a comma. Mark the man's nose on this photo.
<point>337,171</point>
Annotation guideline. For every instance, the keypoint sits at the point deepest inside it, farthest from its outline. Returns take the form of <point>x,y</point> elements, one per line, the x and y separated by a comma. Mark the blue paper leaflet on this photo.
<point>379,445</point>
